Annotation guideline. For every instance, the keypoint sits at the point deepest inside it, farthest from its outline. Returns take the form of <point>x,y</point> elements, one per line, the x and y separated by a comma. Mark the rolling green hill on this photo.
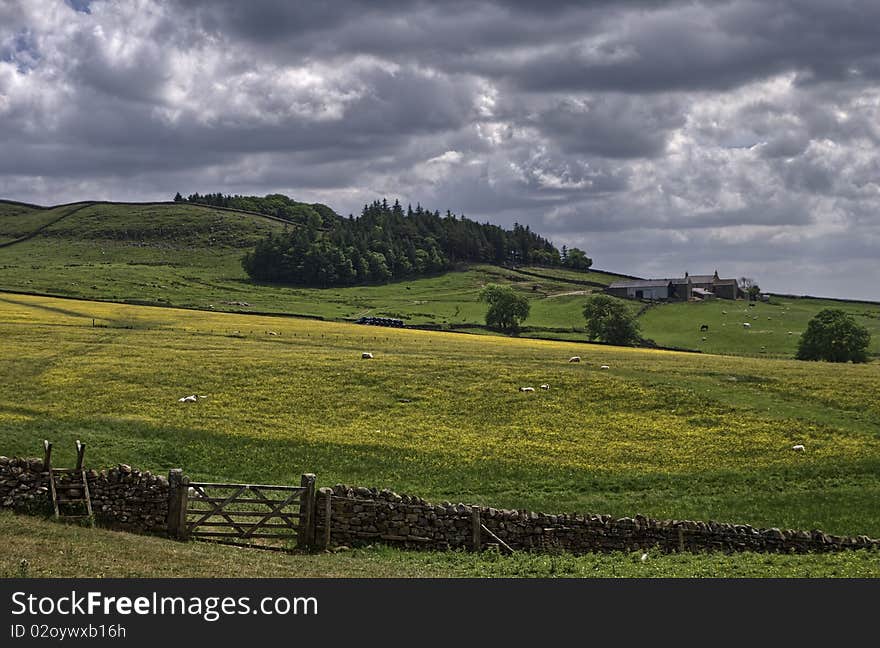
<point>18,221</point>
<point>190,256</point>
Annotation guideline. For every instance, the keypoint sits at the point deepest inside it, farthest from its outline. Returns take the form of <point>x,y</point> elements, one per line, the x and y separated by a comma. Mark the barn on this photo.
<point>685,288</point>
<point>655,289</point>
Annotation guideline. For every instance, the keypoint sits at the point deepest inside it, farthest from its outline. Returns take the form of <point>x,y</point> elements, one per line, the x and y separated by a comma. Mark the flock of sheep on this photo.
<point>193,398</point>
<point>546,386</point>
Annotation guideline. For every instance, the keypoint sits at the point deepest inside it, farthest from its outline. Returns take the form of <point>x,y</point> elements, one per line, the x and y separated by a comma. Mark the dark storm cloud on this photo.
<point>744,130</point>
<point>613,126</point>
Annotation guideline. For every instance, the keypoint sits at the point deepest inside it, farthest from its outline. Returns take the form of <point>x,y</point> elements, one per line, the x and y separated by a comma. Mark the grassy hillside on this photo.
<point>18,221</point>
<point>775,326</point>
<point>106,554</point>
<point>665,434</point>
<point>190,256</point>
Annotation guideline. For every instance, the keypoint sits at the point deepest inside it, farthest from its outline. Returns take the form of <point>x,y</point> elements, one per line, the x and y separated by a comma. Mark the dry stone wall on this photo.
<point>364,515</point>
<point>122,497</point>
<point>128,499</point>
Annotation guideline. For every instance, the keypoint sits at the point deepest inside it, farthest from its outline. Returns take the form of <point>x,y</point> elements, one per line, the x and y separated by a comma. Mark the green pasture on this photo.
<point>774,331</point>
<point>190,256</point>
<point>665,434</point>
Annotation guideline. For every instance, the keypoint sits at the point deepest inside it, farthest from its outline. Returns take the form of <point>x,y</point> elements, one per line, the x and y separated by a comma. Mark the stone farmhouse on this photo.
<point>687,288</point>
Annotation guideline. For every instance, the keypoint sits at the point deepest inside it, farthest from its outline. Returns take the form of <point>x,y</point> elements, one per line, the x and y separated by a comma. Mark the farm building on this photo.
<point>654,289</point>
<point>680,289</point>
<point>723,288</point>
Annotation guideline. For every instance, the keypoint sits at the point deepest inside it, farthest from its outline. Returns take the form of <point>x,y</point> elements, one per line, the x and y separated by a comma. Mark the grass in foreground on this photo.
<point>55,550</point>
<point>668,435</point>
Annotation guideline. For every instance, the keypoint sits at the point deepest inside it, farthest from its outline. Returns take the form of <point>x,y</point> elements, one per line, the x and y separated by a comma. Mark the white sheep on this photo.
<point>545,386</point>
<point>366,356</point>
<point>188,399</point>
<point>604,367</point>
<point>574,359</point>
<point>746,325</point>
<point>798,448</point>
<point>527,389</point>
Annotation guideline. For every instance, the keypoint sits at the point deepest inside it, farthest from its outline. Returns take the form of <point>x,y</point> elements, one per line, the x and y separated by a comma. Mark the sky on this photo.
<point>660,137</point>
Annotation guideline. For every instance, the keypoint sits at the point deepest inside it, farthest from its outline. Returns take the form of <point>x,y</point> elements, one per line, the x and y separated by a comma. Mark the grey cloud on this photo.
<point>612,126</point>
<point>739,130</point>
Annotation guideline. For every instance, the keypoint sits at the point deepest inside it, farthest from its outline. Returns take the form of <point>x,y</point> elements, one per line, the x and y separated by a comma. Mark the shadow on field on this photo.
<point>49,309</point>
<point>836,497</point>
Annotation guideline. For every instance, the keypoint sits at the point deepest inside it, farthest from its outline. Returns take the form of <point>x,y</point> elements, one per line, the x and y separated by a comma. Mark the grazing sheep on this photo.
<point>604,367</point>
<point>790,333</point>
<point>574,359</point>
<point>366,356</point>
<point>704,327</point>
<point>746,325</point>
<point>724,312</point>
<point>271,333</point>
<point>527,389</point>
<point>188,399</point>
<point>797,448</point>
<point>704,338</point>
<point>545,386</point>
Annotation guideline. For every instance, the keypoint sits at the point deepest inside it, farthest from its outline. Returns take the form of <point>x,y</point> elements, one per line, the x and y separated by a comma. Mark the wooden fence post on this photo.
<point>80,454</point>
<point>47,456</point>
<point>476,527</point>
<point>178,486</point>
<point>306,532</point>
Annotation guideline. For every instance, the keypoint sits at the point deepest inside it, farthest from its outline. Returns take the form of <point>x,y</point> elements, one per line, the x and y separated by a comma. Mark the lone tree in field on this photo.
<point>507,309</point>
<point>609,320</point>
<point>833,335</point>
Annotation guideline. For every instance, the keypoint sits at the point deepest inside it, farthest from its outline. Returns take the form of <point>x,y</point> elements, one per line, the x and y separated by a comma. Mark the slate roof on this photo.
<point>642,283</point>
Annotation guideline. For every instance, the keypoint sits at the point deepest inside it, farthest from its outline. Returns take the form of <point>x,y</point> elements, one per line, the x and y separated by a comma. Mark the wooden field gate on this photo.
<point>256,514</point>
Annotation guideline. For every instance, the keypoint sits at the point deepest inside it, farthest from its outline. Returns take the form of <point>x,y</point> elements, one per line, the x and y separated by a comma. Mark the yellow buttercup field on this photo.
<point>441,415</point>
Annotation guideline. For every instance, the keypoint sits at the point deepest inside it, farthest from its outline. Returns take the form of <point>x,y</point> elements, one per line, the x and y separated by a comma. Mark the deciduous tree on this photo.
<point>507,309</point>
<point>835,336</point>
<point>608,320</point>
